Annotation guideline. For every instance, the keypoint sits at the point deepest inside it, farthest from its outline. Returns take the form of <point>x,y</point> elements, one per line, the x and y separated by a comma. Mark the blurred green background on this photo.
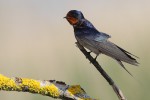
<point>36,42</point>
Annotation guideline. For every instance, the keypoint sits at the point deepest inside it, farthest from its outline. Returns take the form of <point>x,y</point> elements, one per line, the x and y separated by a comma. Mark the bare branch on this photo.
<point>102,72</point>
<point>51,88</point>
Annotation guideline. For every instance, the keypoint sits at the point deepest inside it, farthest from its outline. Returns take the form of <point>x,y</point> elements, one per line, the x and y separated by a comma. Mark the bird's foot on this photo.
<point>88,53</point>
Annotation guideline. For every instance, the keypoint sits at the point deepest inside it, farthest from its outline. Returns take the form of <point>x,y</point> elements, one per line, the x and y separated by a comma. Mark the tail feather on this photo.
<point>134,61</point>
<point>127,52</point>
<point>123,66</point>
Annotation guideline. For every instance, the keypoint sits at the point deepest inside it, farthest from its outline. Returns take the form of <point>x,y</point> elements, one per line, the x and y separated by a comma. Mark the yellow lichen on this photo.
<point>32,85</point>
<point>52,90</point>
<point>75,89</point>
<point>4,81</point>
<point>11,84</point>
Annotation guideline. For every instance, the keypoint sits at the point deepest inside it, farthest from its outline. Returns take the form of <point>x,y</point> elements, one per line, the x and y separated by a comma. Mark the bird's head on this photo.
<point>74,16</point>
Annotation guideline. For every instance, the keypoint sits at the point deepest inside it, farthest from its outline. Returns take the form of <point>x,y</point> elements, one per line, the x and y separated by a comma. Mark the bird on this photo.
<point>97,42</point>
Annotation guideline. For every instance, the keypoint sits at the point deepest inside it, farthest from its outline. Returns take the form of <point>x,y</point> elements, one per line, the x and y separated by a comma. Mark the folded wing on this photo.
<point>99,41</point>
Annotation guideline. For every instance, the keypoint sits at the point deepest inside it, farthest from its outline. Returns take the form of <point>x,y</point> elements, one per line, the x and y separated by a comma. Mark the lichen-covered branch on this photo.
<point>51,88</point>
<point>102,72</point>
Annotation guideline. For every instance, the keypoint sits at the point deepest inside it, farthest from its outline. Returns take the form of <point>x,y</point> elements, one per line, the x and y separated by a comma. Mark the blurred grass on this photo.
<point>36,42</point>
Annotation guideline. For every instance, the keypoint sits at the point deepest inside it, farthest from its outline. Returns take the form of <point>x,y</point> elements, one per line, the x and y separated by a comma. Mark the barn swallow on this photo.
<point>97,42</point>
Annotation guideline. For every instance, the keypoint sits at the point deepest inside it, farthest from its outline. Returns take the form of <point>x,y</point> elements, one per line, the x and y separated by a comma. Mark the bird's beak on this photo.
<point>65,17</point>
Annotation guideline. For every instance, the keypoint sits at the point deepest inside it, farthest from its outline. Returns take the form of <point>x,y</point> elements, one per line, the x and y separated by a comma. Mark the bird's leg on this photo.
<point>94,59</point>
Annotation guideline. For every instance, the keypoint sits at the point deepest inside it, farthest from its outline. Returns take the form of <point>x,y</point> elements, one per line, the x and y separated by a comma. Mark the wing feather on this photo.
<point>98,43</point>
<point>110,49</point>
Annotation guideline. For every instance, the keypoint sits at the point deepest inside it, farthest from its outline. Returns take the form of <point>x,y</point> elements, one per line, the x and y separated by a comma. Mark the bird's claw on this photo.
<point>88,53</point>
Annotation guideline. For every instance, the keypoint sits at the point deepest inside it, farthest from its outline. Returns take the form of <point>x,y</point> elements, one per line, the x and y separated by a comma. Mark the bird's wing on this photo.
<point>99,40</point>
<point>101,37</point>
<point>112,50</point>
<point>92,34</point>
